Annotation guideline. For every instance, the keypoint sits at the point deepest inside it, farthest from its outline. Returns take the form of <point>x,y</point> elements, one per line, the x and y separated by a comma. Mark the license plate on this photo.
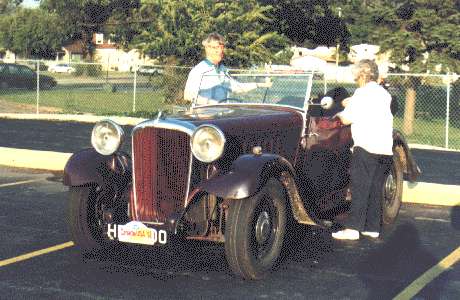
<point>137,233</point>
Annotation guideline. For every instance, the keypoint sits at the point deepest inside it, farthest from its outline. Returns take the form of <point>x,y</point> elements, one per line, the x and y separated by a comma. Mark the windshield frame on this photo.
<point>308,75</point>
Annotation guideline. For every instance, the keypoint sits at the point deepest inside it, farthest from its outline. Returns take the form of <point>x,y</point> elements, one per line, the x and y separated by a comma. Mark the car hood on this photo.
<point>243,117</point>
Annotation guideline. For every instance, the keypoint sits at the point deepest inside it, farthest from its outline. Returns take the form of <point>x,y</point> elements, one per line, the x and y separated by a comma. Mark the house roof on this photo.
<point>74,47</point>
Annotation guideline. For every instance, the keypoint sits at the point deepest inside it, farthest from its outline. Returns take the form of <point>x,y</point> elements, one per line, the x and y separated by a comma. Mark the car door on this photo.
<point>26,77</point>
<point>326,160</point>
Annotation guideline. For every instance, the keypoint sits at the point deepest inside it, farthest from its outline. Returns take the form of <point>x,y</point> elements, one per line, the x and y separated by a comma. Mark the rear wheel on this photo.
<point>46,85</point>
<point>86,218</point>
<point>255,230</point>
<point>392,189</point>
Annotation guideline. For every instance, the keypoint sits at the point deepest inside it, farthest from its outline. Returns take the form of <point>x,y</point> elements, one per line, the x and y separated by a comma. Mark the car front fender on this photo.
<point>87,167</point>
<point>247,175</point>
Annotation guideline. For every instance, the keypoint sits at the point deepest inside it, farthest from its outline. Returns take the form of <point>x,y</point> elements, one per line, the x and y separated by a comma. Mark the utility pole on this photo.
<point>337,50</point>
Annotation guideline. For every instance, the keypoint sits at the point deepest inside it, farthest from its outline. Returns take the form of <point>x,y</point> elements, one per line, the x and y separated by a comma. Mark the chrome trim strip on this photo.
<point>246,104</point>
<point>189,178</point>
<point>153,223</point>
<point>170,124</point>
<point>134,180</point>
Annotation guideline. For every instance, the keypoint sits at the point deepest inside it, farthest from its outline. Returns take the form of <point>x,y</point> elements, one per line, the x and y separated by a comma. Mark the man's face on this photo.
<point>214,52</point>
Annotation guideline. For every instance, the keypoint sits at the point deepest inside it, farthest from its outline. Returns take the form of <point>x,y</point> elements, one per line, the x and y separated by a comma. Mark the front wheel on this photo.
<point>392,190</point>
<point>86,218</point>
<point>255,230</point>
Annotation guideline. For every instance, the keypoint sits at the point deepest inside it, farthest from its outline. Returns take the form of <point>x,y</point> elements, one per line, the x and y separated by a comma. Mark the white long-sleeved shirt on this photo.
<point>208,83</point>
<point>371,119</point>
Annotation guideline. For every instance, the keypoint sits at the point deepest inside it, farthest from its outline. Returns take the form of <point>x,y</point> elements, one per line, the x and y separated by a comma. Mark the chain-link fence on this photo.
<point>429,105</point>
<point>32,86</point>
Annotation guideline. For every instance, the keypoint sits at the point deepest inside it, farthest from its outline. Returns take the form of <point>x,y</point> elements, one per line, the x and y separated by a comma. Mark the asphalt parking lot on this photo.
<point>38,260</point>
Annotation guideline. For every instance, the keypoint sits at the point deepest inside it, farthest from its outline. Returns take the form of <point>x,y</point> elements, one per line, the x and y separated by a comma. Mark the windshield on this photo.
<point>281,89</point>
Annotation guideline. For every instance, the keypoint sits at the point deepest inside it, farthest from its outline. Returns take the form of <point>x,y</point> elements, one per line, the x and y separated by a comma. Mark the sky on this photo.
<point>30,3</point>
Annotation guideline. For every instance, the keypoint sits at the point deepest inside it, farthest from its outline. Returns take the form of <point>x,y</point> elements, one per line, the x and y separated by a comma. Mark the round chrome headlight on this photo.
<point>207,143</point>
<point>107,137</point>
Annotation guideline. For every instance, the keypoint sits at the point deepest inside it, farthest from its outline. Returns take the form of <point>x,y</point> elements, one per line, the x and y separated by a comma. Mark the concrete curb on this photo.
<point>419,192</point>
<point>76,118</point>
<point>431,193</point>
<point>33,159</point>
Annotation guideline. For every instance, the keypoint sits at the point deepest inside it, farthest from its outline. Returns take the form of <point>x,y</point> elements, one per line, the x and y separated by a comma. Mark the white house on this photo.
<point>108,54</point>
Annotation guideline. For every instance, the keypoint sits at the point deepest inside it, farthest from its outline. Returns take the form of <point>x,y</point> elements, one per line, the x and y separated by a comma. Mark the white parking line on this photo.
<point>20,182</point>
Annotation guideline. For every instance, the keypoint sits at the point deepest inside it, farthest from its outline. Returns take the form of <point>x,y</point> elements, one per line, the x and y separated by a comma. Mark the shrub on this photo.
<point>94,70</point>
<point>174,82</point>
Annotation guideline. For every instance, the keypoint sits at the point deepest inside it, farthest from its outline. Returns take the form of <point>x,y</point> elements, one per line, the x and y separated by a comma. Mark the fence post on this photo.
<point>447,110</point>
<point>134,88</point>
<point>38,85</point>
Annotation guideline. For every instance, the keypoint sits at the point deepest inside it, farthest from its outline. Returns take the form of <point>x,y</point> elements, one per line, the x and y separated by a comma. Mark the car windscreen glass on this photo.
<point>281,89</point>
<point>24,71</point>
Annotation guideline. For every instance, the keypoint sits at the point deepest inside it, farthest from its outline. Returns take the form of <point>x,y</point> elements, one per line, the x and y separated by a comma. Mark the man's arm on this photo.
<point>192,86</point>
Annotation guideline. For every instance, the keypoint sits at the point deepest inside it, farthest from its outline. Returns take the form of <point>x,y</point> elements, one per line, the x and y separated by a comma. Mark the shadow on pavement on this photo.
<point>455,217</point>
<point>395,264</point>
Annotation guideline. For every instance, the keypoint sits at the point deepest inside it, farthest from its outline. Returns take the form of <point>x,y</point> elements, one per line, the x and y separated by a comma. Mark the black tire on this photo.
<point>46,85</point>
<point>255,230</point>
<point>392,189</point>
<point>85,219</point>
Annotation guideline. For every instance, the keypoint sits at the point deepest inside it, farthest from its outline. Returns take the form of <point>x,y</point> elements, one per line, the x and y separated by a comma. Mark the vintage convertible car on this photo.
<point>234,172</point>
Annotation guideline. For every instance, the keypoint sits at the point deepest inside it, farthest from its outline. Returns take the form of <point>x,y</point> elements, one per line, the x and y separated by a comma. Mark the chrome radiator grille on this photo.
<point>161,161</point>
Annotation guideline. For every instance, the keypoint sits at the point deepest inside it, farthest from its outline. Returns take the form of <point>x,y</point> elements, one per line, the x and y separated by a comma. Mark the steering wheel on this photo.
<point>230,99</point>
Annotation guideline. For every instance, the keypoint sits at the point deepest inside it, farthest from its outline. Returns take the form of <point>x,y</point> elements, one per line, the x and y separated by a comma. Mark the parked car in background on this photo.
<point>61,68</point>
<point>20,76</point>
<point>149,70</point>
<point>238,172</point>
<point>33,65</point>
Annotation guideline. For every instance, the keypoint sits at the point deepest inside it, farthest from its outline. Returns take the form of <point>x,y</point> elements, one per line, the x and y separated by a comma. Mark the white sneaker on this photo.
<point>346,234</point>
<point>371,234</point>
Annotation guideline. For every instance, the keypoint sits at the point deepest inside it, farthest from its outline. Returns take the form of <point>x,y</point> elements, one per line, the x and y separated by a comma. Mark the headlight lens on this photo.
<point>107,137</point>
<point>207,143</point>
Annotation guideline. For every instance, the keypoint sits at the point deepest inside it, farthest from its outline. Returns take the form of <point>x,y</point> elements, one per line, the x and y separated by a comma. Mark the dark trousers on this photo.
<point>367,176</point>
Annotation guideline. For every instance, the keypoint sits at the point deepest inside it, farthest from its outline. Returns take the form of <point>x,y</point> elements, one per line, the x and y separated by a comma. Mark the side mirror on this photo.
<point>326,102</point>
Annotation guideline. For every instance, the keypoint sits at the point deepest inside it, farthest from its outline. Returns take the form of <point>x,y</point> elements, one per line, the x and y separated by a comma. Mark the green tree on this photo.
<point>420,34</point>
<point>86,17</point>
<point>178,27</point>
<point>6,6</point>
<point>309,23</point>
<point>31,33</point>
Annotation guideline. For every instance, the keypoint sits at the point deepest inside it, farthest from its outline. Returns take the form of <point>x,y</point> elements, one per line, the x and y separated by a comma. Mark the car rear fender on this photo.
<point>247,175</point>
<point>89,167</point>
<point>410,167</point>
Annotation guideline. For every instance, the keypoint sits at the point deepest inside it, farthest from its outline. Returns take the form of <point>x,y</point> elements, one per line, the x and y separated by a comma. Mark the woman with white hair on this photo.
<point>368,112</point>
